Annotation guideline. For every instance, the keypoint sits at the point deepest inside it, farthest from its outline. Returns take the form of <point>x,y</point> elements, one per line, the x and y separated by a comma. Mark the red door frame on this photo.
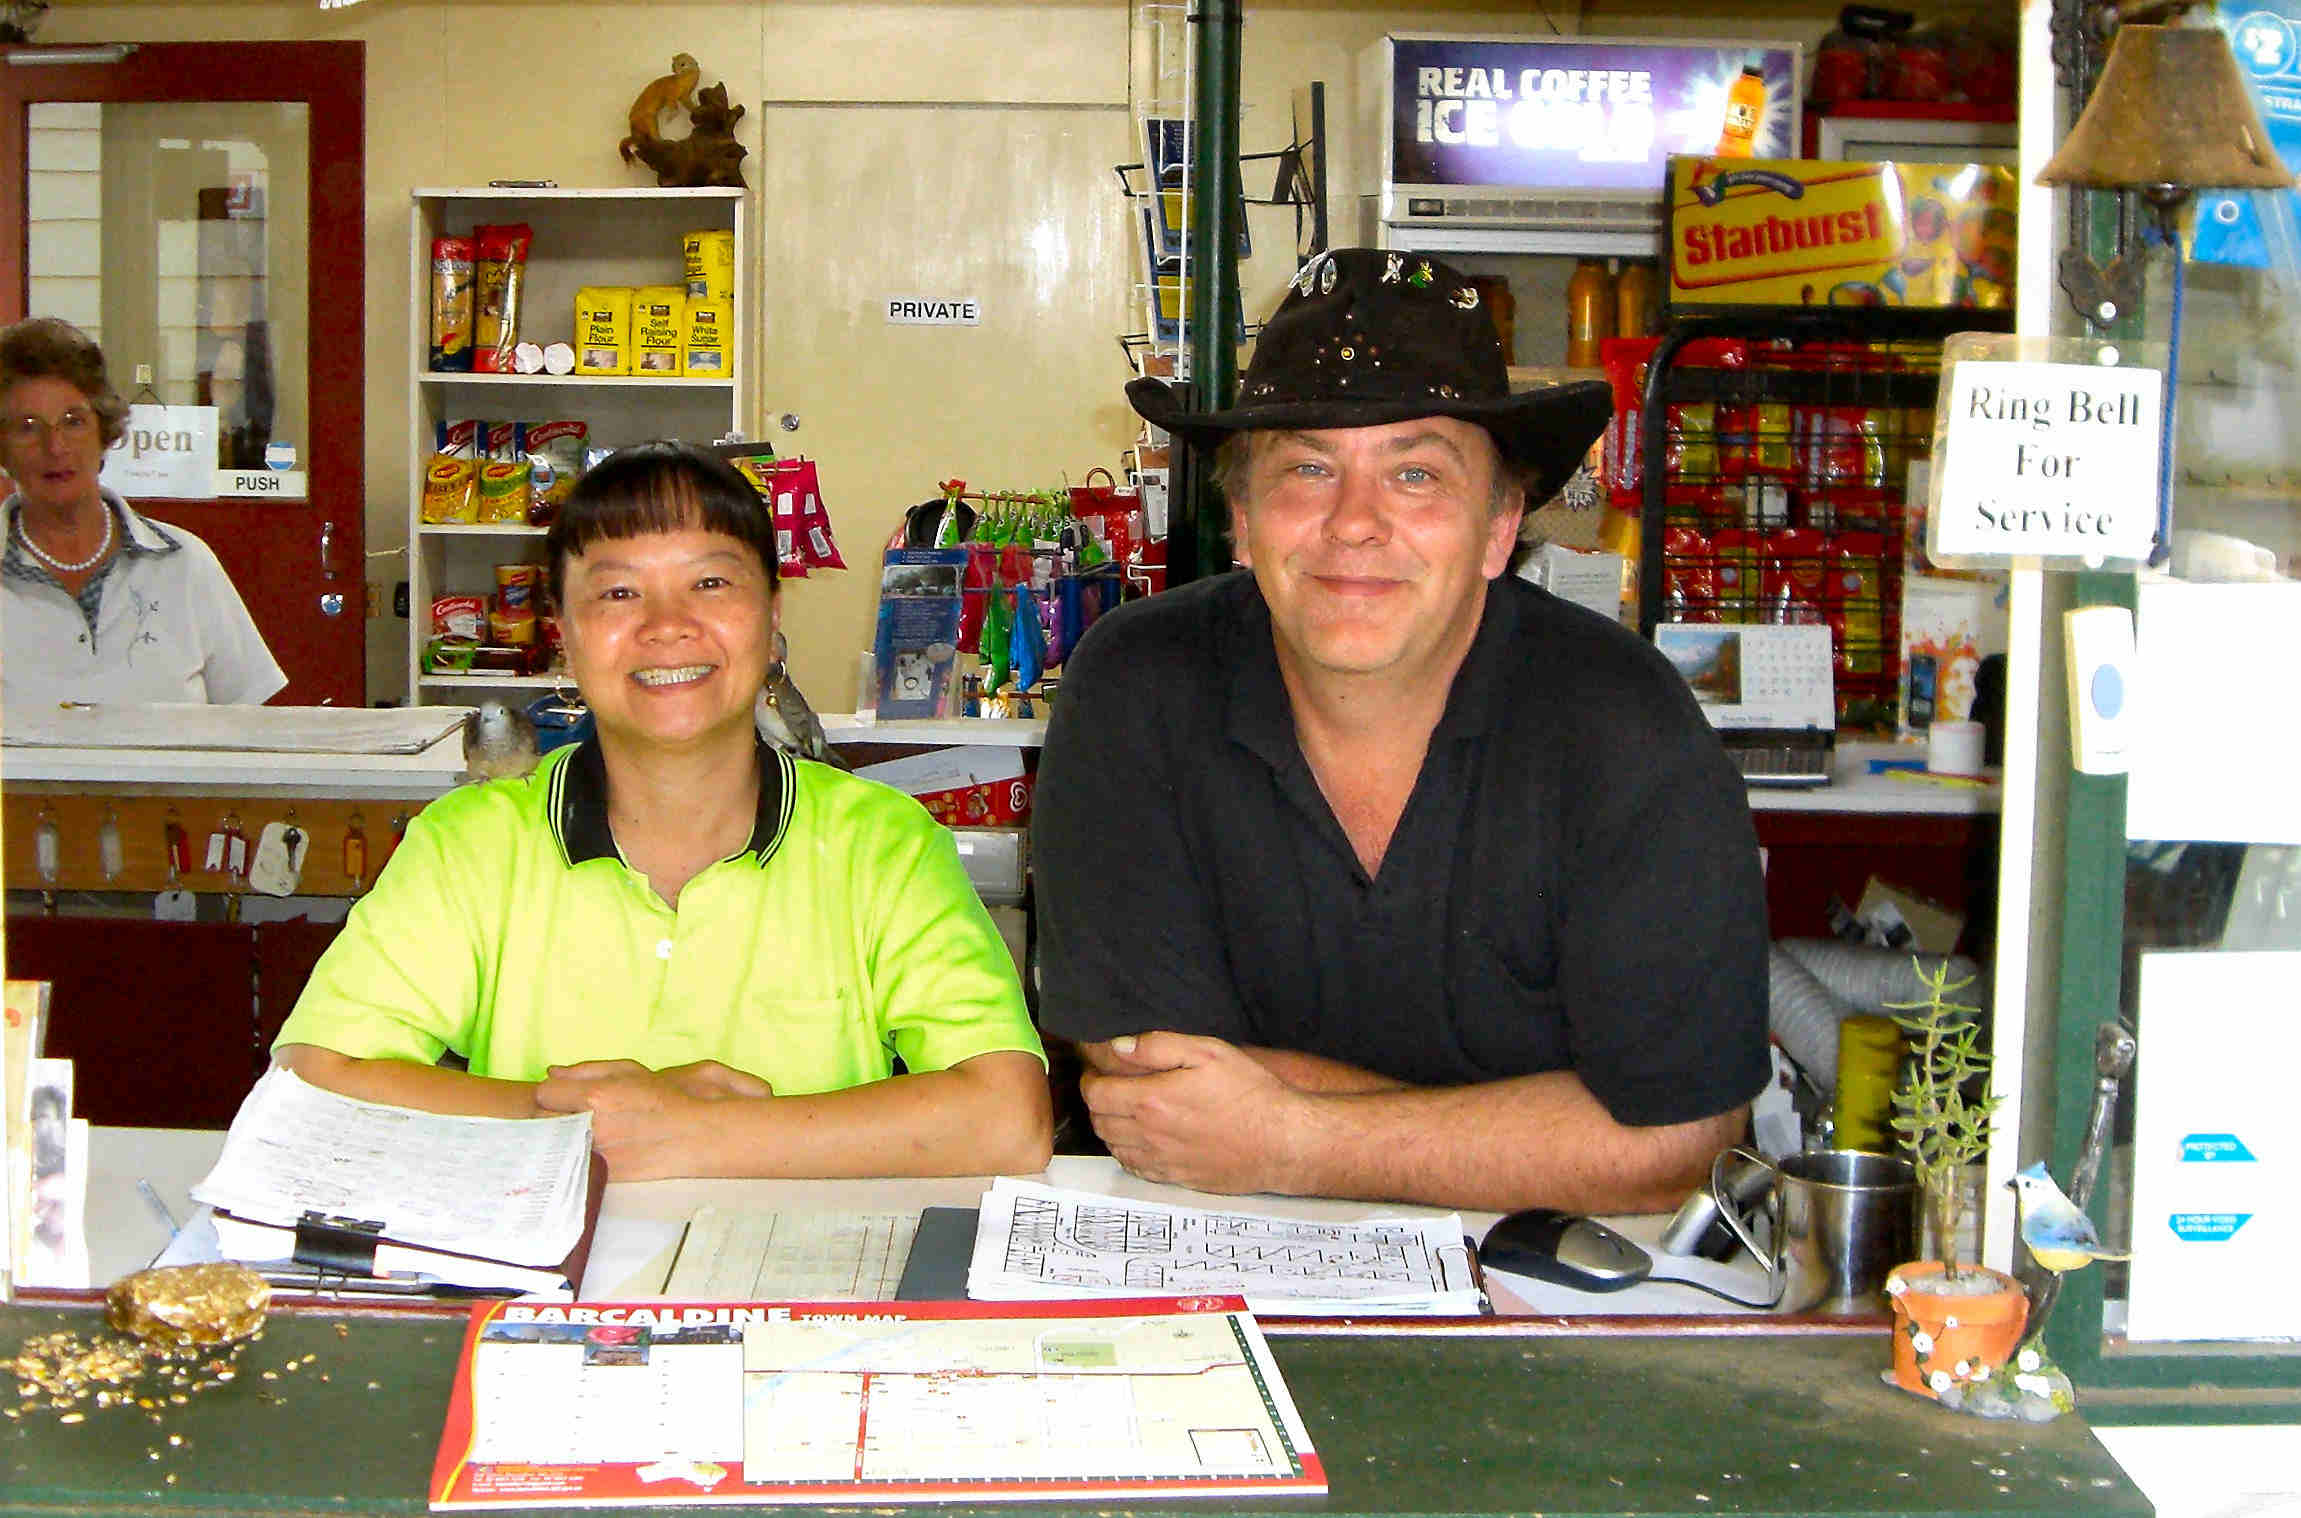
<point>325,657</point>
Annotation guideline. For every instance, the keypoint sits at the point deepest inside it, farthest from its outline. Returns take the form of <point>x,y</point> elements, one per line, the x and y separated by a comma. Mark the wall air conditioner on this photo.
<point>1553,144</point>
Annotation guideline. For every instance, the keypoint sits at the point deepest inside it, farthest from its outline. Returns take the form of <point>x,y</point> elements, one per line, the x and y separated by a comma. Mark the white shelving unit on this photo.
<point>582,237</point>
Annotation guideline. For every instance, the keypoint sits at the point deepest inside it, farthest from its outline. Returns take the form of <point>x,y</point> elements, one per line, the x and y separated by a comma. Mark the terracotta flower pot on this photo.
<point>1946,1338</point>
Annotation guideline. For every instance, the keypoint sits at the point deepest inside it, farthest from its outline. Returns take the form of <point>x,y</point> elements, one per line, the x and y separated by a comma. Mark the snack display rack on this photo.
<point>621,236</point>
<point>1773,477</point>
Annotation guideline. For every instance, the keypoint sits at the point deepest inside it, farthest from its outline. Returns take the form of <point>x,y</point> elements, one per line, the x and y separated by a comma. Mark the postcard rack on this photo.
<point>1776,451</point>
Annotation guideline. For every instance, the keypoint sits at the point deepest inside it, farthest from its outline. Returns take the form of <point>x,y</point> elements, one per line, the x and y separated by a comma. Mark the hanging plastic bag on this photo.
<point>1029,640</point>
<point>998,639</point>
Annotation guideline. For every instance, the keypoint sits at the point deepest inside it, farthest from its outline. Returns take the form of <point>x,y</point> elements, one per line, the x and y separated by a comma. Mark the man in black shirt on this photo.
<point>1366,873</point>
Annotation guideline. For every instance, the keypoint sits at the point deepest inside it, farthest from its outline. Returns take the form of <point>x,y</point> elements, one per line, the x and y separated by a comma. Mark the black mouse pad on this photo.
<point>940,1251</point>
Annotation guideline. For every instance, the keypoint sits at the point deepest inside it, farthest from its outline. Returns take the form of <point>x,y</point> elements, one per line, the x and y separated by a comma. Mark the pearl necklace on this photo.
<point>25,534</point>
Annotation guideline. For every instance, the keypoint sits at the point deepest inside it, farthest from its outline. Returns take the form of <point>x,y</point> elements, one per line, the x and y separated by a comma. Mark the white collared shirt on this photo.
<point>167,624</point>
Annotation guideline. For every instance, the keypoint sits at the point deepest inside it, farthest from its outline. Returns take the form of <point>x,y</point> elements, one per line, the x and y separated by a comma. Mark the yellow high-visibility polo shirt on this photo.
<point>507,927</point>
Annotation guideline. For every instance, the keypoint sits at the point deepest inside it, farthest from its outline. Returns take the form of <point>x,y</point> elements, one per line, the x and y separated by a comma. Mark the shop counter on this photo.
<point>1406,1423</point>
<point>1552,1414</point>
<point>328,771</point>
<point>1547,1413</point>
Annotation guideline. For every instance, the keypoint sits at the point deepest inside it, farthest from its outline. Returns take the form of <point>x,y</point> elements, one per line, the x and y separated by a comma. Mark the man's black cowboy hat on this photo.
<point>1366,337</point>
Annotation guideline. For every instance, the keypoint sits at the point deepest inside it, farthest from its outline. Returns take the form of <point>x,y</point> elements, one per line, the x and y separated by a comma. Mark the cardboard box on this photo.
<point>976,786</point>
<point>1589,579</point>
<point>997,861</point>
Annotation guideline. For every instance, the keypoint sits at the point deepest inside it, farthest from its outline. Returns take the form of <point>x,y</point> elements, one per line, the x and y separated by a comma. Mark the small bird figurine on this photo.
<point>498,742</point>
<point>785,719</point>
<point>2058,1235</point>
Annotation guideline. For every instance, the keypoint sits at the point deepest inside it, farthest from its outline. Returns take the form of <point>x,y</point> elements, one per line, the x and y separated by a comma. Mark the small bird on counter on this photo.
<point>785,719</point>
<point>2057,1233</point>
<point>498,742</point>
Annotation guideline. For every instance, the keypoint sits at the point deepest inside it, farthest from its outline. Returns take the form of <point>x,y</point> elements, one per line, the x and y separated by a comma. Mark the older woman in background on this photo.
<point>98,603</point>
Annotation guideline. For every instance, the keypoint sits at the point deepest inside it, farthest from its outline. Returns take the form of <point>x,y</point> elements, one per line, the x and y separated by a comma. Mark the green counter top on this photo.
<point>1407,1423</point>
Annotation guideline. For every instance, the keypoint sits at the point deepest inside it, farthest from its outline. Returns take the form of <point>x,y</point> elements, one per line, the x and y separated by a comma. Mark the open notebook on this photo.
<point>1766,690</point>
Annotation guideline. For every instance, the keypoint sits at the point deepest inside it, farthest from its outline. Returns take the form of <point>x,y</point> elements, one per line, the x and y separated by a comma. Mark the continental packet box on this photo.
<point>974,785</point>
<point>1810,232</point>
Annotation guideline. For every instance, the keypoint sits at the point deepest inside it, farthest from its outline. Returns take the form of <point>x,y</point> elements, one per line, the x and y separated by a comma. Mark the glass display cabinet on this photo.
<point>2161,896</point>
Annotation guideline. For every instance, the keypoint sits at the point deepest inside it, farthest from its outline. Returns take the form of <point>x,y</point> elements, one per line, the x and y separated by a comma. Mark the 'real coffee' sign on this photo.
<point>1577,113</point>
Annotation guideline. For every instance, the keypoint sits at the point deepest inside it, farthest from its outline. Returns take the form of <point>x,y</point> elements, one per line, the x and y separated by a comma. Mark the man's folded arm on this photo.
<point>1201,1112</point>
<point>1535,1140</point>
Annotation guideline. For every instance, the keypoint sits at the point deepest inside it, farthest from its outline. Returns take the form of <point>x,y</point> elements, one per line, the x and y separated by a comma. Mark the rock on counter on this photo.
<point>186,1305</point>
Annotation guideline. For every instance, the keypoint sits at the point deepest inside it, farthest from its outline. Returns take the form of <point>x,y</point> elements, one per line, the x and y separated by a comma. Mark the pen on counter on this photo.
<point>159,1207</point>
<point>1928,777</point>
<point>332,1283</point>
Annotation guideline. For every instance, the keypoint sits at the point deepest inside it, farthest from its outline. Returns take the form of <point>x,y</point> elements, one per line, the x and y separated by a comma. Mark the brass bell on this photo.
<point>2169,115</point>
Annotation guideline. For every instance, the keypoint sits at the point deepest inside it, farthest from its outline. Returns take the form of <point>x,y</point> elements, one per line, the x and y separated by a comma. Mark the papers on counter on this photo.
<point>1039,1242</point>
<point>507,1189</point>
<point>729,1254</point>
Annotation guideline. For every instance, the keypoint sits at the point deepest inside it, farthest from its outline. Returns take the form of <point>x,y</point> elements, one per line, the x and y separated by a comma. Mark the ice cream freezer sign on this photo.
<point>1578,113</point>
<point>2048,461</point>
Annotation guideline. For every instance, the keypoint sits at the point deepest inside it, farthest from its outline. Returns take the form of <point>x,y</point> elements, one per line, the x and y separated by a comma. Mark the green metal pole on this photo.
<point>1198,538</point>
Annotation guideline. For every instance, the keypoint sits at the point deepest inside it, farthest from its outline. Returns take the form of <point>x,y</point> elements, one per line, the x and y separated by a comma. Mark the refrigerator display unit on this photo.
<point>1514,157</point>
<point>1553,145</point>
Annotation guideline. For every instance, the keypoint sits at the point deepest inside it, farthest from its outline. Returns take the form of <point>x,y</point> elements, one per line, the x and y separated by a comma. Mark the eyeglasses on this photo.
<point>74,426</point>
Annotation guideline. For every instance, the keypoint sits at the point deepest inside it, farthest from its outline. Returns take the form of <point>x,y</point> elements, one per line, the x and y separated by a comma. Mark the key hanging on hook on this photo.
<point>356,853</point>
<point>177,844</point>
<point>48,848</point>
<point>111,853</point>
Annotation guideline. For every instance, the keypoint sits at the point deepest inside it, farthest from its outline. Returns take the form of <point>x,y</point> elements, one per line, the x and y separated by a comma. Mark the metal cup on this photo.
<point>1841,1220</point>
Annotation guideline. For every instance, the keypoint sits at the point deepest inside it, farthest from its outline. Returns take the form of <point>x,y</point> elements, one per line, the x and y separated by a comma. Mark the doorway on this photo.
<point>198,209</point>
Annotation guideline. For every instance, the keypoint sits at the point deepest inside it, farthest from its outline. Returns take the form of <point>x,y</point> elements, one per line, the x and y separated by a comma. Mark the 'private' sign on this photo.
<point>2049,461</point>
<point>919,311</point>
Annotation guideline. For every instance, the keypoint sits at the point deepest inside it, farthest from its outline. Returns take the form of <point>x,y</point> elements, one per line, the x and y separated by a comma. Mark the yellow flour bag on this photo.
<point>603,329</point>
<point>658,313</point>
<point>710,257</point>
<point>705,352</point>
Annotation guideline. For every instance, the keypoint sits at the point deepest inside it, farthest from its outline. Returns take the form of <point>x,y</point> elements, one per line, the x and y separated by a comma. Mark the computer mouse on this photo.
<point>1559,1247</point>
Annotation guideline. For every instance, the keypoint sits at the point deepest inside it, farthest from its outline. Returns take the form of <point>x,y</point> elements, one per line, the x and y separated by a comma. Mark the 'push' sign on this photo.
<point>2049,461</point>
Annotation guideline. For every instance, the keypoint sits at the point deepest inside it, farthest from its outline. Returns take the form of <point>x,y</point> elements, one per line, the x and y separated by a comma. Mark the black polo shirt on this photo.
<point>1573,885</point>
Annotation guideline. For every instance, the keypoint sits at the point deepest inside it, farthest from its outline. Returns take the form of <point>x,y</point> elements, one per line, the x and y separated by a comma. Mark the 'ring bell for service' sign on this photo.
<point>2045,461</point>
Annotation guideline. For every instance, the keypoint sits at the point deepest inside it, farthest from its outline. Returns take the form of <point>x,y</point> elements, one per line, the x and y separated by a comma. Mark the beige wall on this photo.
<point>903,147</point>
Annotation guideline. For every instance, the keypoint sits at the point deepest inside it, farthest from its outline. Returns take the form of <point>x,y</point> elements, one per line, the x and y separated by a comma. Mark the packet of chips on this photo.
<point>504,494</point>
<point>757,463</point>
<point>460,618</point>
<point>1689,576</point>
<point>815,541</point>
<point>554,461</point>
<point>499,279</point>
<point>451,312</point>
<point>464,440</point>
<point>450,490</point>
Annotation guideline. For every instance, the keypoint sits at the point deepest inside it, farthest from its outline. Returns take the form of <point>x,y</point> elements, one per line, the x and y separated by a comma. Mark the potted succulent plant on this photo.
<point>1955,1322</point>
